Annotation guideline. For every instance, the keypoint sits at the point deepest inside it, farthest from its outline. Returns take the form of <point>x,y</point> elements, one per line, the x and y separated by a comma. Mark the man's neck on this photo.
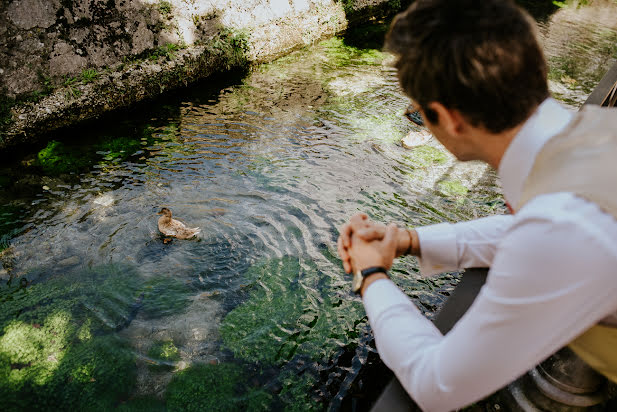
<point>497,144</point>
<point>492,146</point>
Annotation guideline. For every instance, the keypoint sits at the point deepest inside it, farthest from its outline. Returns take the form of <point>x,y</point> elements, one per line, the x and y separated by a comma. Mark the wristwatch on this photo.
<point>360,275</point>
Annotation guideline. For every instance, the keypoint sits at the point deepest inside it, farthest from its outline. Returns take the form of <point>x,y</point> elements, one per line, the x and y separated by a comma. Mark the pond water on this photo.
<point>99,312</point>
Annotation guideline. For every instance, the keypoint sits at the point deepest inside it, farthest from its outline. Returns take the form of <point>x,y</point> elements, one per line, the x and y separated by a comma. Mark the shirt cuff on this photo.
<point>438,248</point>
<point>382,295</point>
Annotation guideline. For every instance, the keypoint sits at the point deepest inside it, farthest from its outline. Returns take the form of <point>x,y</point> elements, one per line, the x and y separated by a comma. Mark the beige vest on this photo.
<point>583,160</point>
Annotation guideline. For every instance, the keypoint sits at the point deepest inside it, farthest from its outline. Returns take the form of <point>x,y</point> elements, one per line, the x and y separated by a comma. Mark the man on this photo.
<point>477,74</point>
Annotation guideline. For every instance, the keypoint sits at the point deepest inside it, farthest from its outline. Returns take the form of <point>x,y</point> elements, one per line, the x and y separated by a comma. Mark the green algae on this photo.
<point>295,392</point>
<point>141,404</point>
<point>285,315</point>
<point>165,353</point>
<point>452,188</point>
<point>56,346</point>
<point>206,388</point>
<point>119,148</point>
<point>425,156</point>
<point>228,387</point>
<point>58,158</point>
<point>341,54</point>
<point>43,366</point>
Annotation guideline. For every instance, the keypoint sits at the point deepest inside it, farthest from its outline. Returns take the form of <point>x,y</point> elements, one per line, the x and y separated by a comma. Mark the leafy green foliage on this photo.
<point>232,43</point>
<point>285,315</point>
<point>89,75</point>
<point>165,7</point>
<point>168,51</point>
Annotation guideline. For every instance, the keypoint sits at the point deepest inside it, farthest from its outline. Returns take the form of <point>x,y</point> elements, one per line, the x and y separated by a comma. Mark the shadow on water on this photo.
<point>541,10</point>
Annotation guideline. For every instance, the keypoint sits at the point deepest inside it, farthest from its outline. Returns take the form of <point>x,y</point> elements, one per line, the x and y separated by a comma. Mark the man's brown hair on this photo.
<point>480,57</point>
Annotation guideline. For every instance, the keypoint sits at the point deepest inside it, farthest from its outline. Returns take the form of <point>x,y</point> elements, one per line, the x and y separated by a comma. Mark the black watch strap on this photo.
<point>359,276</point>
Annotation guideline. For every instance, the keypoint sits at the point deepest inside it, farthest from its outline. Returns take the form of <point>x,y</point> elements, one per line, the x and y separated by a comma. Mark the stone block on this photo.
<point>64,60</point>
<point>28,14</point>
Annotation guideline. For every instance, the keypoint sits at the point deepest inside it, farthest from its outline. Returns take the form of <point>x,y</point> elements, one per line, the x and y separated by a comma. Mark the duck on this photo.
<point>175,228</point>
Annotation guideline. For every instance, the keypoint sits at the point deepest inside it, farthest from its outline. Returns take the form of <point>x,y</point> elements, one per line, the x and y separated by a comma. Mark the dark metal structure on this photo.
<point>605,94</point>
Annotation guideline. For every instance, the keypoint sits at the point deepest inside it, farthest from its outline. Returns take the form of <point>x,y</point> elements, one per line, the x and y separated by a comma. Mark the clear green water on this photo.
<point>99,313</point>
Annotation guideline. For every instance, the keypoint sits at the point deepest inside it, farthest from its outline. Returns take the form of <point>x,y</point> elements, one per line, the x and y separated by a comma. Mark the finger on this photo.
<point>369,233</point>
<point>390,237</point>
<point>344,255</point>
<point>345,235</point>
<point>358,219</point>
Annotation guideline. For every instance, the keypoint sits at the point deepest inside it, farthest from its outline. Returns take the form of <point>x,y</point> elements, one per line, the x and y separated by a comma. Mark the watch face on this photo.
<point>356,283</point>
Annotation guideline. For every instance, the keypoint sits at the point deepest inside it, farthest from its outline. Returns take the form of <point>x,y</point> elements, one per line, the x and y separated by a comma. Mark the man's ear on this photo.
<point>450,120</point>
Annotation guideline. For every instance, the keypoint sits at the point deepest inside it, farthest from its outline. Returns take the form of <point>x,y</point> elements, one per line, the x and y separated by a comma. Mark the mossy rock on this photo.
<point>423,156</point>
<point>341,54</point>
<point>55,349</point>
<point>119,148</point>
<point>296,390</point>
<point>46,368</point>
<point>142,404</point>
<point>57,158</point>
<point>207,388</point>
<point>452,188</point>
<point>165,353</point>
<point>285,315</point>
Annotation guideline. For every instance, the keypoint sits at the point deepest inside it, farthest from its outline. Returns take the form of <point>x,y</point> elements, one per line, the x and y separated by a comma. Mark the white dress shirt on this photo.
<point>553,274</point>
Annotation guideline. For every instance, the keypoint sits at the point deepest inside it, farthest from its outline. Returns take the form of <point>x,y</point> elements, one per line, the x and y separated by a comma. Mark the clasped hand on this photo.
<point>363,243</point>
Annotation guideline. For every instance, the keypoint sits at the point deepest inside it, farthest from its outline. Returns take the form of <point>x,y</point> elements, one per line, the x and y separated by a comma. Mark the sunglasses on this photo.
<point>414,115</point>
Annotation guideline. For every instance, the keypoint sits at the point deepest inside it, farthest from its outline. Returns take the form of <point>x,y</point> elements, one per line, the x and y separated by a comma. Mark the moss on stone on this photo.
<point>142,404</point>
<point>119,148</point>
<point>43,366</point>
<point>296,390</point>
<point>424,156</point>
<point>452,188</point>
<point>341,54</point>
<point>57,158</point>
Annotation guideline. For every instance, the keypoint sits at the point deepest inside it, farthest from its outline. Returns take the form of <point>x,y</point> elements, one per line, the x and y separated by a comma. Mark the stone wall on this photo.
<point>63,61</point>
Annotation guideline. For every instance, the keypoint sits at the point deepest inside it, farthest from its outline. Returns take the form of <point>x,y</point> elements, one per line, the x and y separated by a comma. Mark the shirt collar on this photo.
<point>549,119</point>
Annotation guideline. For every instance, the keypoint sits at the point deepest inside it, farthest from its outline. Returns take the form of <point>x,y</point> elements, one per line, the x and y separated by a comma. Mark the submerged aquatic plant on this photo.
<point>165,353</point>
<point>57,158</point>
<point>49,366</point>
<point>285,315</point>
<point>57,348</point>
<point>207,388</point>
